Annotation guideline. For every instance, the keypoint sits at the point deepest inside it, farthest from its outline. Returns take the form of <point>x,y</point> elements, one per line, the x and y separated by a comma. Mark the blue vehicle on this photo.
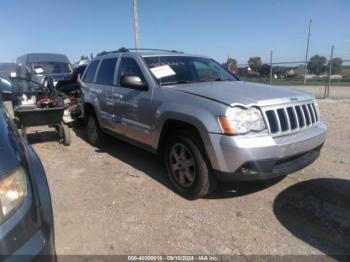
<point>26,218</point>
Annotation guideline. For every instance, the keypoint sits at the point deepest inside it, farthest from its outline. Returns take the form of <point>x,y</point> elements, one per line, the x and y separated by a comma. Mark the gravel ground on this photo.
<point>116,200</point>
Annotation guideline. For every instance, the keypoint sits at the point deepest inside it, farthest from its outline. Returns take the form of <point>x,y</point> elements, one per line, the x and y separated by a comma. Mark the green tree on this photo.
<point>317,65</point>
<point>255,63</point>
<point>84,57</point>
<point>336,65</point>
<point>264,70</point>
<point>231,64</point>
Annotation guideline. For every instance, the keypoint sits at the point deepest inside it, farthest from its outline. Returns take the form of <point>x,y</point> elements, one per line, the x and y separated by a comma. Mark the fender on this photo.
<point>90,98</point>
<point>200,118</point>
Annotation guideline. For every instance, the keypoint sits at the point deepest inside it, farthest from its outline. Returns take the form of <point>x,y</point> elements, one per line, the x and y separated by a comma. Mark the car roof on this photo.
<point>148,54</point>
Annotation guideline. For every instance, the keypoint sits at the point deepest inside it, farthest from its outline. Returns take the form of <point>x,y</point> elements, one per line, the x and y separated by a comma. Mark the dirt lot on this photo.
<point>335,92</point>
<point>116,200</point>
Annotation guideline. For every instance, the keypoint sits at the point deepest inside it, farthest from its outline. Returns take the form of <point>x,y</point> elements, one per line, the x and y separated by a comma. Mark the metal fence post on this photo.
<point>271,67</point>
<point>326,91</point>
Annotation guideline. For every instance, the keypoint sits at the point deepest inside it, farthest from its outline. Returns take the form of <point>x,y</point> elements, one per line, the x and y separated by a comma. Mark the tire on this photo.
<point>187,166</point>
<point>94,133</point>
<point>66,135</point>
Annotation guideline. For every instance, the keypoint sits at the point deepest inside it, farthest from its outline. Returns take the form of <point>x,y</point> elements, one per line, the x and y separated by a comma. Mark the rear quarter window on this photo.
<point>90,73</point>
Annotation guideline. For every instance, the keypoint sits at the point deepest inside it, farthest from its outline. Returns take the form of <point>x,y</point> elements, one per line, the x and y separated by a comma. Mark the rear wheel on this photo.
<point>94,132</point>
<point>187,166</point>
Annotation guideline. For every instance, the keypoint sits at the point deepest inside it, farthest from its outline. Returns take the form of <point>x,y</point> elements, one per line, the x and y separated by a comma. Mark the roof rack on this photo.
<point>125,50</point>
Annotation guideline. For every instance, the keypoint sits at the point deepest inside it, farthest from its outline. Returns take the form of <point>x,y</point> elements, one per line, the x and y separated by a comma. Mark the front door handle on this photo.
<point>96,90</point>
<point>118,96</point>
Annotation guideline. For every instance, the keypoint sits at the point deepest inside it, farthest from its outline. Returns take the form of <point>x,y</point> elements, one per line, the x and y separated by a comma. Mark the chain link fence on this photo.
<point>291,74</point>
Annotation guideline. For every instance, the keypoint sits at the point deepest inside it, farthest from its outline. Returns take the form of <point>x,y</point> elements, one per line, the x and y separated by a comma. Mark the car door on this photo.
<point>93,92</point>
<point>133,107</point>
<point>103,89</point>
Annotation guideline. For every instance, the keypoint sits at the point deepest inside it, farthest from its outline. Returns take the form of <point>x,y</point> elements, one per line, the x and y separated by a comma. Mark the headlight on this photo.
<point>240,120</point>
<point>13,190</point>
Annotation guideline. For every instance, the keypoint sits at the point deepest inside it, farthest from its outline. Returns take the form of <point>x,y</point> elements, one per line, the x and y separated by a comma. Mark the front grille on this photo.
<point>291,118</point>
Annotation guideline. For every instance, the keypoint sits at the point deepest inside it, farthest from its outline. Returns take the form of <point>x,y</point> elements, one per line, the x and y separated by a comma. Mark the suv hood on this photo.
<point>243,93</point>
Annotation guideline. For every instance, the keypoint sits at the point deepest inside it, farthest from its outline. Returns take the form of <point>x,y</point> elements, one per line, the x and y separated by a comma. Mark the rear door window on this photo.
<point>106,72</point>
<point>90,73</point>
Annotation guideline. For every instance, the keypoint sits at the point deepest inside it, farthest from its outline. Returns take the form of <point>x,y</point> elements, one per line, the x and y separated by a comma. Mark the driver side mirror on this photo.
<point>133,82</point>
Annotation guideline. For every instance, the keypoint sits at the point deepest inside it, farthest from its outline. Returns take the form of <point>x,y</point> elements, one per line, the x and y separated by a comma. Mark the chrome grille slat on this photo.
<point>303,115</point>
<point>308,114</point>
<point>312,112</point>
<point>296,117</point>
<point>315,110</point>
<point>278,121</point>
<point>290,118</point>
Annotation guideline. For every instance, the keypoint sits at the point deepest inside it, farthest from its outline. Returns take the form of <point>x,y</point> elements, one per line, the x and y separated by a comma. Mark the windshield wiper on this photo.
<point>213,80</point>
<point>178,82</point>
<point>191,81</point>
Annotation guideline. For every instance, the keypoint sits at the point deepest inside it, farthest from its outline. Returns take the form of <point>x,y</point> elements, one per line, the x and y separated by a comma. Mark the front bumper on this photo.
<point>261,156</point>
<point>21,238</point>
<point>28,234</point>
<point>37,248</point>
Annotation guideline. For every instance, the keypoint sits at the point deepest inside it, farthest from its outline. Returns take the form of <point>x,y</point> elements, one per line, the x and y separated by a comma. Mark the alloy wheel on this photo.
<point>182,165</point>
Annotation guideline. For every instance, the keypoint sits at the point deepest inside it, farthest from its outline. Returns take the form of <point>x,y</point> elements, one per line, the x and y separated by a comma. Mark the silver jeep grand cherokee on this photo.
<point>205,122</point>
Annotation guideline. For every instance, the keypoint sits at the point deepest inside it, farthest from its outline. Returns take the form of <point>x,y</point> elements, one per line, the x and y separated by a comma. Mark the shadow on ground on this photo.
<point>152,165</point>
<point>237,189</point>
<point>42,137</point>
<point>318,212</point>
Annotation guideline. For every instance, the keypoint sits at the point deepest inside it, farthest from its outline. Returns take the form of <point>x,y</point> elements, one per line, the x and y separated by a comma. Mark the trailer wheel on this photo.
<point>66,138</point>
<point>23,133</point>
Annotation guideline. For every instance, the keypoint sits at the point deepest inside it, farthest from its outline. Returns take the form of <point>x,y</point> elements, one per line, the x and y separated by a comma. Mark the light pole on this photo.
<point>136,26</point>
<point>307,51</point>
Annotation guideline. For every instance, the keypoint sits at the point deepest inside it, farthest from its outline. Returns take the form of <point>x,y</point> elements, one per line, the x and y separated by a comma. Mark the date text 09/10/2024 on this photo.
<point>173,258</point>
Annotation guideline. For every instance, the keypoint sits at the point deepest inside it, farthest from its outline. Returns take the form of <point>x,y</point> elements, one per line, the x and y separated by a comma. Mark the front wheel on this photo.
<point>187,167</point>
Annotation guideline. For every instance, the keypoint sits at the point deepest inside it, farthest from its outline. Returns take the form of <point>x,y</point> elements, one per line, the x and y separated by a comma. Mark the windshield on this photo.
<point>52,67</point>
<point>24,85</point>
<point>186,69</point>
